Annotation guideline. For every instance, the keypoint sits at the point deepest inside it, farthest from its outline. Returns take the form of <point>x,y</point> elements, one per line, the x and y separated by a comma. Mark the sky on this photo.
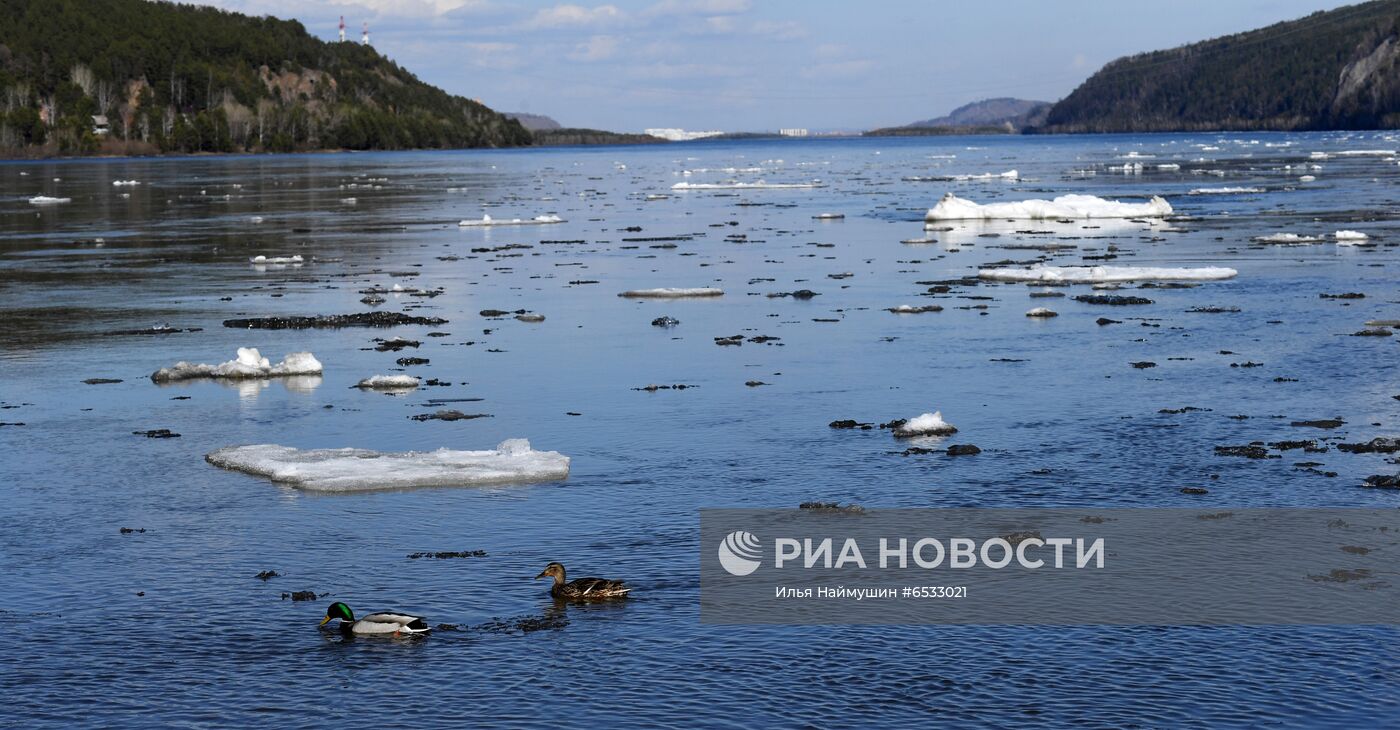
<point>759,65</point>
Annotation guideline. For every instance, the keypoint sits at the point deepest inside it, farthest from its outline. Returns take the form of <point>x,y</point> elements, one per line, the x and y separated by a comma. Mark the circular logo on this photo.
<point>739,552</point>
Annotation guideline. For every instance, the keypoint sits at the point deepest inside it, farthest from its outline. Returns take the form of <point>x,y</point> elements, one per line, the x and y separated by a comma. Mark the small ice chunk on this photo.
<point>296,259</point>
<point>929,424</point>
<point>1105,274</point>
<point>46,200</point>
<point>249,364</point>
<point>1289,238</point>
<point>1042,312</point>
<point>125,183</point>
<point>951,207</point>
<point>759,185</point>
<point>1350,236</point>
<point>487,220</point>
<point>1225,191</point>
<point>672,293</point>
<point>388,382</point>
<point>357,470</point>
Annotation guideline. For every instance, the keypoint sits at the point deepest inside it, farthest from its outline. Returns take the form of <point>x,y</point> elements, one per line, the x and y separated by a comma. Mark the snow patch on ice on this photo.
<point>355,470</point>
<point>951,207</point>
<point>1105,274</point>
<point>672,293</point>
<point>249,364</point>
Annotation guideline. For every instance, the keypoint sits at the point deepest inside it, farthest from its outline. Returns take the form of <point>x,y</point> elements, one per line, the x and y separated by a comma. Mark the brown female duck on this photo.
<point>582,589</point>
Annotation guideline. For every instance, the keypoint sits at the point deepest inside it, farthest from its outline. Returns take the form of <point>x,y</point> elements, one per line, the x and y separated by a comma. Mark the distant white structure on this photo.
<point>342,29</point>
<point>793,132</point>
<point>680,135</point>
<point>364,37</point>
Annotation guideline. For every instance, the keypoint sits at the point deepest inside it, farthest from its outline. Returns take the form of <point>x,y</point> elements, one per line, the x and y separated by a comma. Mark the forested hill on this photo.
<point>183,78</point>
<point>1330,70</point>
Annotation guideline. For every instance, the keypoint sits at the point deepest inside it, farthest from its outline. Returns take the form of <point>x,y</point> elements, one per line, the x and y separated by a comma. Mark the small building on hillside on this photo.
<point>100,126</point>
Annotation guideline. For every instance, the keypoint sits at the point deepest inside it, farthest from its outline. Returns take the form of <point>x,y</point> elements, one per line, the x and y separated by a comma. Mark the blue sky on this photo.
<point>740,65</point>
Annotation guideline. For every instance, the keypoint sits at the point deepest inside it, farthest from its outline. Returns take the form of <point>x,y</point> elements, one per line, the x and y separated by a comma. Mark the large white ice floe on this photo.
<point>672,293</point>
<point>1349,238</point>
<point>1105,274</point>
<point>356,470</point>
<point>1365,153</point>
<point>249,364</point>
<point>759,185</point>
<point>951,207</point>
<point>46,200</point>
<point>929,424</point>
<point>487,220</point>
<point>388,382</point>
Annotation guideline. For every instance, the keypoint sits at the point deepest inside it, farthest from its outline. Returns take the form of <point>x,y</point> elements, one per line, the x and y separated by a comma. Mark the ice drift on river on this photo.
<point>1105,274</point>
<point>249,364</point>
<point>260,259</point>
<point>388,382</point>
<point>46,200</point>
<point>1349,238</point>
<point>487,220</point>
<point>353,470</point>
<point>760,185</point>
<point>951,207</point>
<point>672,293</point>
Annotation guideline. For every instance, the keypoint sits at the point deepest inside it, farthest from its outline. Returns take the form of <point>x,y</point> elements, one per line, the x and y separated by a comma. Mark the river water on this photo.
<point>171,626</point>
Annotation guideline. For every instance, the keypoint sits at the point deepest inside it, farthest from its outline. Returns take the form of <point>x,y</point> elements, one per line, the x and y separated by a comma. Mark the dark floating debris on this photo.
<point>395,344</point>
<point>963,450</point>
<point>1378,445</point>
<point>1347,295</point>
<point>1214,310</point>
<point>1184,409</point>
<point>359,319</point>
<point>268,575</point>
<point>1194,490</point>
<point>447,555</point>
<point>1382,481</point>
<point>1112,299</point>
<point>1249,452</point>
<point>523,624</point>
<point>449,416</point>
<point>303,595</point>
<point>799,294</point>
<point>850,509</point>
<point>754,383</point>
<point>408,361</point>
<point>101,381</point>
<point>157,433</point>
<point>1144,364</point>
<point>653,388</point>
<point>1373,332</point>
<point>1101,321</point>
<point>130,530</point>
<point>1320,423</point>
<point>665,322</point>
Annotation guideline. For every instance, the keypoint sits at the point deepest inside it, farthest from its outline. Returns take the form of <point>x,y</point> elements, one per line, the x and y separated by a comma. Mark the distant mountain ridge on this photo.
<point>1338,69</point>
<point>138,77</point>
<point>991,112</point>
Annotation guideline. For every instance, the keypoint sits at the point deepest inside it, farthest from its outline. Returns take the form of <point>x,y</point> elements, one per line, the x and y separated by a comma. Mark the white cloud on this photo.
<point>840,69</point>
<point>597,48</point>
<point>574,16</point>
<point>699,7</point>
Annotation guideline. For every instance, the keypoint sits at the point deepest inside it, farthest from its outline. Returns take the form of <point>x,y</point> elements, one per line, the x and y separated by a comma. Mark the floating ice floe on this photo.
<point>829,216</point>
<point>296,259</point>
<point>1105,274</point>
<point>1224,191</point>
<point>951,207</point>
<point>1306,178</point>
<point>46,200</point>
<point>249,364</point>
<point>1349,238</point>
<point>1042,312</point>
<point>1008,175</point>
<point>1287,238</point>
<point>1169,166</point>
<point>388,382</point>
<point>1365,153</point>
<point>125,183</point>
<point>487,220</point>
<point>672,293</point>
<point>929,424</point>
<point>759,185</point>
<point>357,470</point>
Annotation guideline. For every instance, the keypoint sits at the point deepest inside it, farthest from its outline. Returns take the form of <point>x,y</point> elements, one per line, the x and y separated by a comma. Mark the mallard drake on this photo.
<point>582,589</point>
<point>375,624</point>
